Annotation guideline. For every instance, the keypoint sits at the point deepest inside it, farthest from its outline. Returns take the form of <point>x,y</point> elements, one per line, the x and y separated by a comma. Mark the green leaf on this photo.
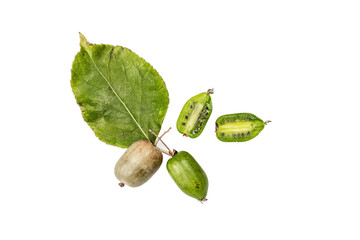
<point>121,96</point>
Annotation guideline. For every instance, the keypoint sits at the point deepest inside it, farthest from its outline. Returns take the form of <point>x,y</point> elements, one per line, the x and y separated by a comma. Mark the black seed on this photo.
<point>248,133</point>
<point>238,134</point>
<point>201,123</point>
<point>222,134</point>
<point>191,106</point>
<point>206,113</point>
<point>195,131</point>
<point>234,135</point>
<point>186,116</point>
<point>243,135</point>
<point>207,108</point>
<point>183,124</point>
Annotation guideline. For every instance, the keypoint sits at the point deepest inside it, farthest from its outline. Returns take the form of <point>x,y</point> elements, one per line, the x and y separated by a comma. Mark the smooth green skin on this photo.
<point>194,114</point>
<point>235,127</point>
<point>188,175</point>
<point>121,96</point>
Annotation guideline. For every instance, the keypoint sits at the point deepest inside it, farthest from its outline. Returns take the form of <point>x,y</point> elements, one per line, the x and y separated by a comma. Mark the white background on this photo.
<point>293,62</point>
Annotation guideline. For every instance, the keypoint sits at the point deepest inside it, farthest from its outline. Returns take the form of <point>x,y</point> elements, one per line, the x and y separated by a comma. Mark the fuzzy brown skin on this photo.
<point>137,165</point>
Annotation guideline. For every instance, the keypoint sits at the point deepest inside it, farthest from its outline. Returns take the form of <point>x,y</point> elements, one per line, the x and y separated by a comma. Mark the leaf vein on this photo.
<point>113,90</point>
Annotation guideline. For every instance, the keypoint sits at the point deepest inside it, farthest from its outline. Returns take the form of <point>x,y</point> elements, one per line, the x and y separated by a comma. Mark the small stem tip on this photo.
<point>121,184</point>
<point>210,91</point>
<point>267,121</point>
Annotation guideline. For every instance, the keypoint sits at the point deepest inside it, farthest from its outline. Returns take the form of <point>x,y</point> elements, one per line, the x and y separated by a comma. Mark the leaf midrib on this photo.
<point>118,97</point>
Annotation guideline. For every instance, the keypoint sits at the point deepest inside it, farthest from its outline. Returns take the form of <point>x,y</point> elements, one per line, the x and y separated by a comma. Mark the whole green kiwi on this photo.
<point>188,175</point>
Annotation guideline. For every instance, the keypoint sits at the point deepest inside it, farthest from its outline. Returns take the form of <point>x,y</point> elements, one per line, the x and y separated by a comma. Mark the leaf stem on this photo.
<point>158,138</point>
<point>165,151</point>
<point>169,152</point>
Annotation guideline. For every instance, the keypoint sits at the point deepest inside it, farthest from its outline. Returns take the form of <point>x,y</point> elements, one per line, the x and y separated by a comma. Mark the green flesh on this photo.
<point>238,127</point>
<point>193,117</point>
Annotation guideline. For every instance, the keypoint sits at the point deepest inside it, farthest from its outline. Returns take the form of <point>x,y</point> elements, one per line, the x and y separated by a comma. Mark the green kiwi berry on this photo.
<point>238,127</point>
<point>195,114</point>
<point>188,175</point>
